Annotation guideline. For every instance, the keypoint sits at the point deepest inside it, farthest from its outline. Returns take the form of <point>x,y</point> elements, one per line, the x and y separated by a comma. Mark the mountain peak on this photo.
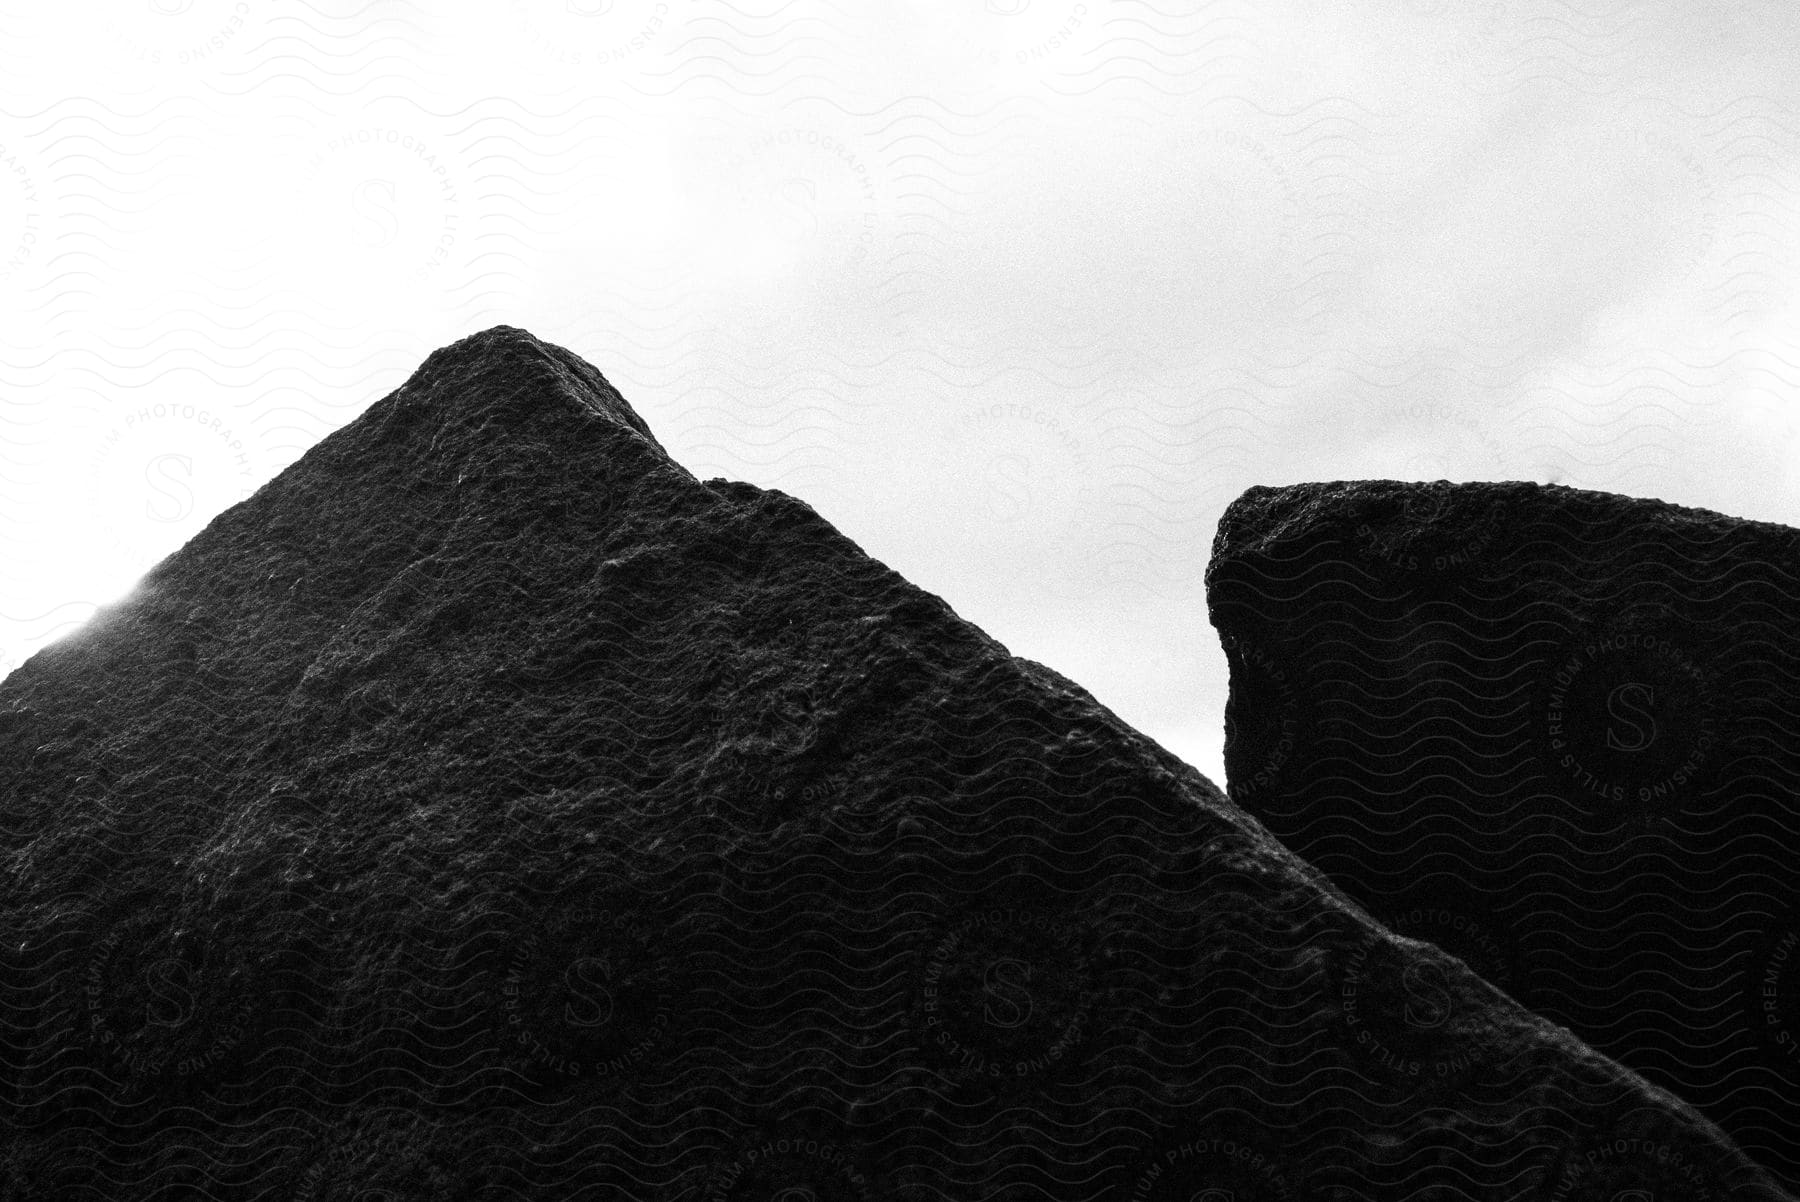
<point>489,808</point>
<point>507,372</point>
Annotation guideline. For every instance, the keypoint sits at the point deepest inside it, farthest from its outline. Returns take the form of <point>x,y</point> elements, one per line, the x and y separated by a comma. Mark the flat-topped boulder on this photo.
<point>1555,732</point>
<point>489,808</point>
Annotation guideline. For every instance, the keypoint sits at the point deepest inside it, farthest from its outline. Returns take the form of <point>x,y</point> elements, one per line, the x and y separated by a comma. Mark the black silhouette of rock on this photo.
<point>488,808</point>
<point>1557,733</point>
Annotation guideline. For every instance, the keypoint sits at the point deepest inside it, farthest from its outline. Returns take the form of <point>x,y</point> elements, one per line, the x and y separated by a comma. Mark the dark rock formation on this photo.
<point>487,808</point>
<point>1555,732</point>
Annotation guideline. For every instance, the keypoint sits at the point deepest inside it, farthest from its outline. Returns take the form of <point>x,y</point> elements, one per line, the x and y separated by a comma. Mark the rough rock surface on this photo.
<point>1556,732</point>
<point>488,808</point>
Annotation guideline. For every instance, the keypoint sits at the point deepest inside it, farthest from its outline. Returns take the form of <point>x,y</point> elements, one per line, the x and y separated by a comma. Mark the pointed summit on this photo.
<point>487,808</point>
<point>509,375</point>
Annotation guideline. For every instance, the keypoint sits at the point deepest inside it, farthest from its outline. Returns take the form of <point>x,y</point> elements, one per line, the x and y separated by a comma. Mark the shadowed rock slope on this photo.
<point>1556,732</point>
<point>487,808</point>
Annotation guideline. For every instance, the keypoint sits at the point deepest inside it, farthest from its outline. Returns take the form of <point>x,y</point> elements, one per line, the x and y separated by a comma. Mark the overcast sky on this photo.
<point>1017,293</point>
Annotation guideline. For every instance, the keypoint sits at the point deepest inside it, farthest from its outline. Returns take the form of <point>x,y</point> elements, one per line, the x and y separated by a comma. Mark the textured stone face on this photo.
<point>489,808</point>
<point>1555,732</point>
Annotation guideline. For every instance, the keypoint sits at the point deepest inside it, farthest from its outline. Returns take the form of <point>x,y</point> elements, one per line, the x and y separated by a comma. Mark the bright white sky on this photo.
<point>1018,293</point>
